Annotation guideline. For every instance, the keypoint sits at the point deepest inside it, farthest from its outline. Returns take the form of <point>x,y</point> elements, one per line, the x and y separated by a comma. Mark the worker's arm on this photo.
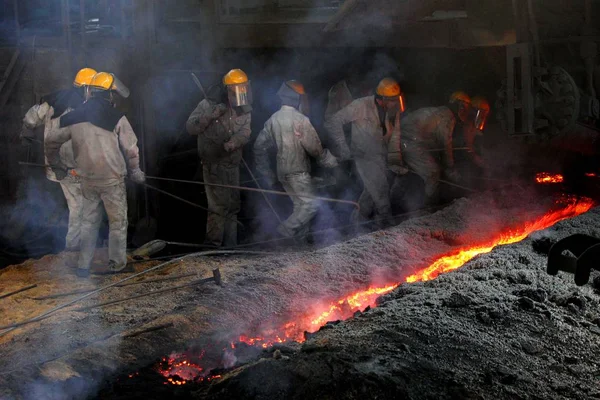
<point>335,127</point>
<point>203,116</point>
<point>262,146</point>
<point>55,138</point>
<point>241,132</point>
<point>36,115</point>
<point>311,143</point>
<point>128,144</point>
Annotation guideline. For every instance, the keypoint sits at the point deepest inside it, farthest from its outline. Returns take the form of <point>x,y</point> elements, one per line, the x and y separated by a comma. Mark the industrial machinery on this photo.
<point>577,254</point>
<point>550,95</point>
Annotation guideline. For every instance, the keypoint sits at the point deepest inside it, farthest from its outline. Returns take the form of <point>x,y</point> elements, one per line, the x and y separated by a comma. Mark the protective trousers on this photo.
<point>72,192</point>
<point>304,209</point>
<point>376,189</point>
<point>422,162</point>
<point>114,199</point>
<point>221,223</point>
<point>407,194</point>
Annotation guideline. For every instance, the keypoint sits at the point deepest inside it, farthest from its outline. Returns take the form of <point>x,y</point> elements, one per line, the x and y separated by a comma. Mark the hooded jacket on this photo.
<point>296,141</point>
<point>368,137</point>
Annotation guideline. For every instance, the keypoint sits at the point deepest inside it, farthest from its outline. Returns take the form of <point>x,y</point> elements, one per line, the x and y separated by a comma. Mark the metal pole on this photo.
<point>263,193</point>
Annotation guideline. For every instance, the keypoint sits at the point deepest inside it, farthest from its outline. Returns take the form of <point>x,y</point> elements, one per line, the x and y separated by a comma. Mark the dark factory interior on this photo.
<point>285,199</point>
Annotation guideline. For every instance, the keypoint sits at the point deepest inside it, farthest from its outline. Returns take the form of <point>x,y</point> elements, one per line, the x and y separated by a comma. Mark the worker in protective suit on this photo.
<point>470,163</point>
<point>371,119</point>
<point>52,106</point>
<point>429,131</point>
<point>106,152</point>
<point>222,124</point>
<point>296,141</point>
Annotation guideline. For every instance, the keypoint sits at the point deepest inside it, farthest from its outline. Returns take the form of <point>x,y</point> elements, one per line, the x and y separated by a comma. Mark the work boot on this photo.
<point>82,272</point>
<point>115,268</point>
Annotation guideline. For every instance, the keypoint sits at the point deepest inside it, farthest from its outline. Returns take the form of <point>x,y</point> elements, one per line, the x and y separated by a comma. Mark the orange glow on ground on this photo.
<point>346,307</point>
<point>546,177</point>
<point>459,258</point>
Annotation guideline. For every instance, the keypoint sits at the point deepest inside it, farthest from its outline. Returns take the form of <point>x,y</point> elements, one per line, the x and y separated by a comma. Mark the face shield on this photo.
<point>240,94</point>
<point>119,87</point>
<point>402,103</point>
<point>481,118</point>
<point>396,103</point>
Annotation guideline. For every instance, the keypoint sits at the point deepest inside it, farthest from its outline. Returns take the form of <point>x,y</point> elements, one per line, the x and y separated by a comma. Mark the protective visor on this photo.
<point>120,87</point>
<point>402,104</point>
<point>400,100</point>
<point>481,118</point>
<point>239,95</point>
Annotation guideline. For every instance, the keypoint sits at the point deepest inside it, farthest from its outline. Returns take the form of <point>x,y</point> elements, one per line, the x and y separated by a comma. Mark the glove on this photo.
<point>453,175</point>
<point>137,175</point>
<point>229,146</point>
<point>218,110</point>
<point>36,114</point>
<point>398,170</point>
<point>328,160</point>
<point>60,172</point>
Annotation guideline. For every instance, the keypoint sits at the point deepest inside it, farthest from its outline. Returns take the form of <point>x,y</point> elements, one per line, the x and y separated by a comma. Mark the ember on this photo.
<point>546,177</point>
<point>346,307</point>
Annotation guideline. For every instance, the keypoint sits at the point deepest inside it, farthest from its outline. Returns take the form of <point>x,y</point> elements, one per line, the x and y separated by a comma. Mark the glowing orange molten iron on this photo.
<point>546,177</point>
<point>347,306</point>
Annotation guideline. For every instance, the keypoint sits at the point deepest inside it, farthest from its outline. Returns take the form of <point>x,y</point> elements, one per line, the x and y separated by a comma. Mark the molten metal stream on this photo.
<point>347,306</point>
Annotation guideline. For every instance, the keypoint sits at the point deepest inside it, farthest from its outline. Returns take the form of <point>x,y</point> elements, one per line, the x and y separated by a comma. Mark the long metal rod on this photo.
<point>9,328</point>
<point>17,291</point>
<point>327,199</point>
<point>190,203</point>
<point>169,289</point>
<point>153,188</point>
<point>263,194</point>
<point>81,291</point>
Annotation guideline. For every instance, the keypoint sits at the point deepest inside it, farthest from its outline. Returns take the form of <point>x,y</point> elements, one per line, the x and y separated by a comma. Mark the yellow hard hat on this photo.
<point>388,87</point>
<point>84,77</point>
<point>108,81</point>
<point>480,103</point>
<point>296,86</point>
<point>235,77</point>
<point>102,80</point>
<point>460,96</point>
